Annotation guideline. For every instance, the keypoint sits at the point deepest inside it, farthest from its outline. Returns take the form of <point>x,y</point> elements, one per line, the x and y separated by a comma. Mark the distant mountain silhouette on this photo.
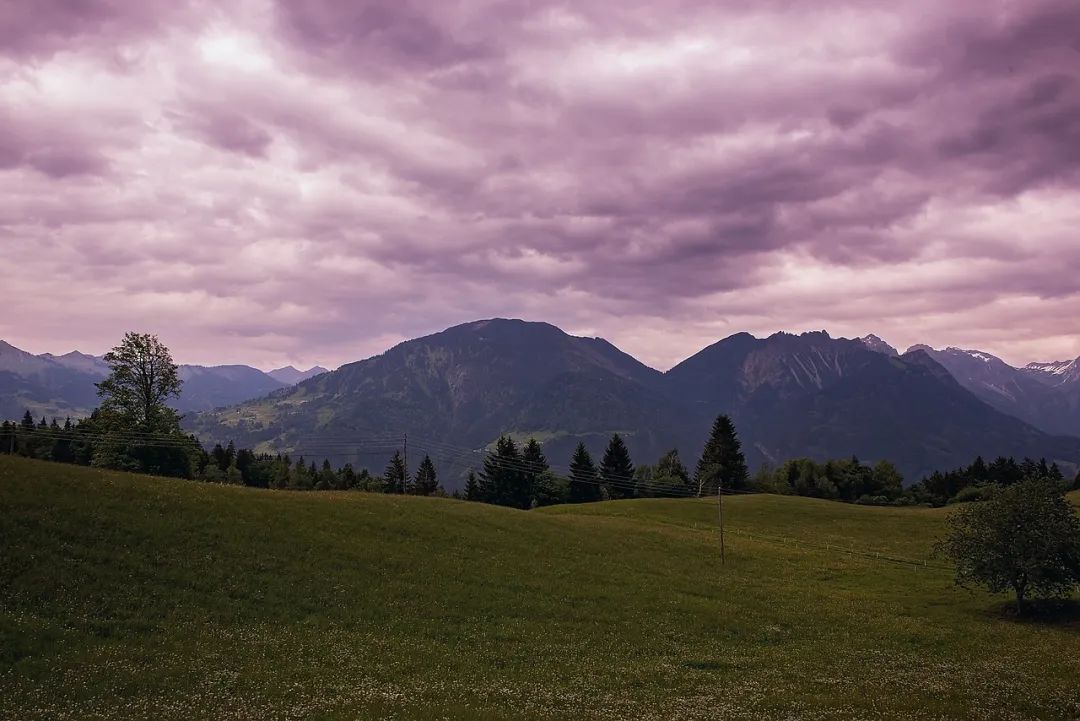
<point>464,387</point>
<point>63,385</point>
<point>821,397</point>
<point>291,376</point>
<point>790,395</point>
<point>1046,399</point>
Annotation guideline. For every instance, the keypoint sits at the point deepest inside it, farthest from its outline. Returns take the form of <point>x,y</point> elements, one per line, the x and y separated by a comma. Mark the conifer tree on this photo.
<point>220,459</point>
<point>722,463</point>
<point>7,437</point>
<point>426,482</point>
<point>617,470</point>
<point>536,464</point>
<point>327,479</point>
<point>27,421</point>
<point>584,482</point>
<point>472,488</point>
<point>503,479</point>
<point>394,476</point>
<point>348,477</point>
<point>282,474</point>
<point>301,478</point>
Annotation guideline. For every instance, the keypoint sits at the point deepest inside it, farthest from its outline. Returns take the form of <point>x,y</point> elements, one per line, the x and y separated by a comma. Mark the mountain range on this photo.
<point>63,385</point>
<point>455,391</point>
<point>1046,395</point>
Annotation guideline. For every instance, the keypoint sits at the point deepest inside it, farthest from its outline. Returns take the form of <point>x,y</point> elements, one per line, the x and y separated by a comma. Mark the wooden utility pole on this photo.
<point>720,512</point>
<point>405,462</point>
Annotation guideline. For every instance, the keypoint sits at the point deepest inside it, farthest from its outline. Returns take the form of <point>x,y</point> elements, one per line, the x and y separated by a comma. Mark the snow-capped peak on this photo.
<point>977,354</point>
<point>874,343</point>
<point>1054,368</point>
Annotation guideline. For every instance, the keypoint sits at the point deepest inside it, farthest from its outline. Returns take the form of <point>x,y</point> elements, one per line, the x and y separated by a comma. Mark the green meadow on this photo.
<point>132,597</point>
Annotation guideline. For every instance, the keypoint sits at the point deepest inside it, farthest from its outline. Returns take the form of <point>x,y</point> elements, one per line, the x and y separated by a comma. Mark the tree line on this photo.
<point>979,479</point>
<point>134,429</point>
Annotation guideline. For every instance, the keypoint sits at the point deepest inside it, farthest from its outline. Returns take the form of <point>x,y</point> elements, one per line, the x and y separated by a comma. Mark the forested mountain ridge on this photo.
<point>466,386</point>
<point>790,395</point>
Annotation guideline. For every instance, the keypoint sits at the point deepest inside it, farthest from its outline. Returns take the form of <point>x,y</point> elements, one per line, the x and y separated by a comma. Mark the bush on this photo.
<point>973,493</point>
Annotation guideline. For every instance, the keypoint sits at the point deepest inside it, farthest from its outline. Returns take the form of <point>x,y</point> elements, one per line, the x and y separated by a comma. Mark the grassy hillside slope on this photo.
<point>127,597</point>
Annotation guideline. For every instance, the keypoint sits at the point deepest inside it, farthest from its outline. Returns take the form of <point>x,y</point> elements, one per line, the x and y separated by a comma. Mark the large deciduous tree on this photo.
<point>1024,538</point>
<point>140,431</point>
<point>142,378</point>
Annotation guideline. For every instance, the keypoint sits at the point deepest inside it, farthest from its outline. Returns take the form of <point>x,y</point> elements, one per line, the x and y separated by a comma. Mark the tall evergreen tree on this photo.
<point>7,437</point>
<point>217,453</point>
<point>617,470</point>
<point>27,421</point>
<point>348,477</point>
<point>427,481</point>
<point>327,478</point>
<point>394,480</point>
<point>722,463</point>
<point>584,481</point>
<point>536,464</point>
<point>472,488</point>
<point>503,480</point>
<point>301,478</point>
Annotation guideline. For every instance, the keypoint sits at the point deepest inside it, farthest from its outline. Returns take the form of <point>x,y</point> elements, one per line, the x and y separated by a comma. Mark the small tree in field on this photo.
<point>1025,538</point>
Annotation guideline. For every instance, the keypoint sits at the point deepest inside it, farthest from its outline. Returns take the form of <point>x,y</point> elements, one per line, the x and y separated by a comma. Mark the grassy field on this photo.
<point>127,597</point>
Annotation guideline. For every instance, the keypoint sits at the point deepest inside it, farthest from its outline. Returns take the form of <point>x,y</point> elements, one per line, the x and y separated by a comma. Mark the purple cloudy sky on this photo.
<point>313,182</point>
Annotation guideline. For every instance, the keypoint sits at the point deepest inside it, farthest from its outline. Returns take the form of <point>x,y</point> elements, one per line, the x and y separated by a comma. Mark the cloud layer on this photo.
<point>312,182</point>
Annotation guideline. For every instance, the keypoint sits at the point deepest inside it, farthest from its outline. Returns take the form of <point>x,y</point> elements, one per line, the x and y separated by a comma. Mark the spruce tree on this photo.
<point>584,482</point>
<point>426,482</point>
<point>536,464</point>
<point>617,470</point>
<point>472,488</point>
<point>394,475</point>
<point>503,480</point>
<point>722,463</point>
<point>7,437</point>
<point>348,477</point>
<point>327,479</point>
<point>27,421</point>
<point>220,459</point>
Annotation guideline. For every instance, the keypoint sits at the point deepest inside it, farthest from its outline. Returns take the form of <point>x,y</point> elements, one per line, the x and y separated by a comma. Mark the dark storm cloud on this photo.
<point>321,179</point>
